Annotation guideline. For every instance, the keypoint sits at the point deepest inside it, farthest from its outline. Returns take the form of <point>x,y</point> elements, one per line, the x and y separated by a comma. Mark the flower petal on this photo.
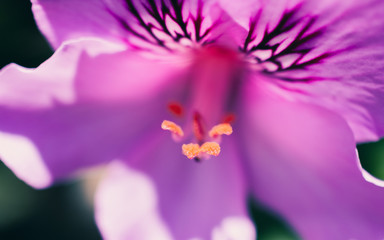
<point>188,197</point>
<point>142,24</point>
<point>304,165</point>
<point>60,114</point>
<point>248,10</point>
<point>62,20</point>
<point>272,11</point>
<point>342,50</point>
<point>64,139</point>
<point>126,206</point>
<point>353,84</point>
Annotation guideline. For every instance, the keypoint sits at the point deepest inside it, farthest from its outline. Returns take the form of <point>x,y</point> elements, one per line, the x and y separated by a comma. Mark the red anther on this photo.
<point>198,127</point>
<point>176,109</point>
<point>229,118</point>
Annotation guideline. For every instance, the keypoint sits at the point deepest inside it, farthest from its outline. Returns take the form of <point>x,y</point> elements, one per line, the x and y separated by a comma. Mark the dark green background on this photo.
<point>61,212</point>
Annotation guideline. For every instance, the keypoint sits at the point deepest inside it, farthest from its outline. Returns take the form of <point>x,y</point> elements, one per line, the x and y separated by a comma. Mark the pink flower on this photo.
<point>294,84</point>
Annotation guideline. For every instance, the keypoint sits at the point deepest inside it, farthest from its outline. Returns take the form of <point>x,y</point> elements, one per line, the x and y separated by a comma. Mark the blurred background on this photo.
<point>63,212</point>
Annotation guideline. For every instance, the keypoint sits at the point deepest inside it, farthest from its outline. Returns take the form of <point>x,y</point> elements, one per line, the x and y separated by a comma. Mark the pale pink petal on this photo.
<point>185,199</point>
<point>303,165</point>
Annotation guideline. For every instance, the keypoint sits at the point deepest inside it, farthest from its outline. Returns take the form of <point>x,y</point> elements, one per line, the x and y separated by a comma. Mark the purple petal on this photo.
<point>272,11</point>
<point>126,205</point>
<point>341,54</point>
<point>78,109</point>
<point>304,165</point>
<point>183,198</point>
<point>353,76</point>
<point>248,10</point>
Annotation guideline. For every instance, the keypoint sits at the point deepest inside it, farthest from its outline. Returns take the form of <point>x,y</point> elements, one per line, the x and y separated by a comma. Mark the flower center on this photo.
<point>215,72</point>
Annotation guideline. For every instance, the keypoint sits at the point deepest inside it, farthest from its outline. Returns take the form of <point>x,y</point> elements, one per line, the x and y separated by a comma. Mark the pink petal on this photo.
<point>304,165</point>
<point>61,20</point>
<point>176,196</point>
<point>57,118</point>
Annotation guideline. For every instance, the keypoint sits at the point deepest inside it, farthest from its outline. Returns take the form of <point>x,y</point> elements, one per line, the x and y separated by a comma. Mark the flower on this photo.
<point>137,84</point>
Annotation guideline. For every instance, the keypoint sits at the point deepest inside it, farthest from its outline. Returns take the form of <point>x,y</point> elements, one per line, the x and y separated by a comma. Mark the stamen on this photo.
<point>176,109</point>
<point>191,150</point>
<point>173,127</point>
<point>220,129</point>
<point>211,148</point>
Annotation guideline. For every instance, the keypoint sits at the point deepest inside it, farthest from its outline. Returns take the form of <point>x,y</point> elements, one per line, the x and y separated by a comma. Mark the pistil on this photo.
<point>213,76</point>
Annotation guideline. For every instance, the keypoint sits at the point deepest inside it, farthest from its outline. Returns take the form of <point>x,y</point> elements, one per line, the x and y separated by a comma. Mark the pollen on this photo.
<point>211,148</point>
<point>173,127</point>
<point>220,129</point>
<point>191,150</point>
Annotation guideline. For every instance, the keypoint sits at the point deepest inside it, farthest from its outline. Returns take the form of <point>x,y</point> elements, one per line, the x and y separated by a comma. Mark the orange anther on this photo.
<point>211,148</point>
<point>220,129</point>
<point>176,108</point>
<point>173,127</point>
<point>191,150</point>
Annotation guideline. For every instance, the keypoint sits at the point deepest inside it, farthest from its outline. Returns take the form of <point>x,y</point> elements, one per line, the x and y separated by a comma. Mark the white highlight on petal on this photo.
<point>22,157</point>
<point>367,176</point>
<point>234,228</point>
<point>126,206</point>
<point>43,91</point>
